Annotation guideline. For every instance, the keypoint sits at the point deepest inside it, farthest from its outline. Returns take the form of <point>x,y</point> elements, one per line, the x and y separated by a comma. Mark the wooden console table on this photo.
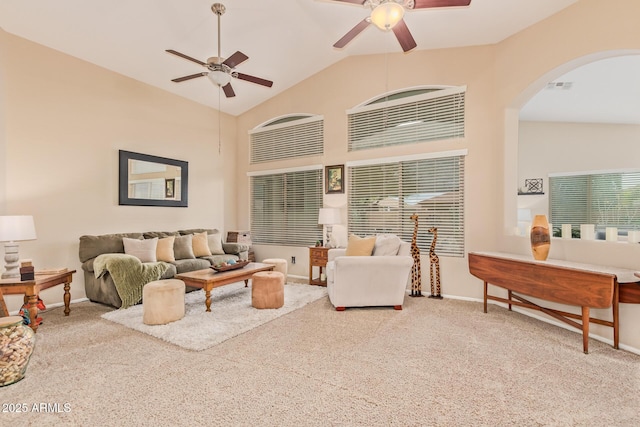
<point>31,289</point>
<point>585,285</point>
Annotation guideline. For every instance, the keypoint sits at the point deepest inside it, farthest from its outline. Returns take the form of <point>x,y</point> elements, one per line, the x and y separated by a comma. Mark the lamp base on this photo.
<point>327,243</point>
<point>11,260</point>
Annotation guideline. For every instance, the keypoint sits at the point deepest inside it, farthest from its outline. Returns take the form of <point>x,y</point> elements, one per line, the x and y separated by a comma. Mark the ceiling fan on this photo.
<point>388,15</point>
<point>221,70</point>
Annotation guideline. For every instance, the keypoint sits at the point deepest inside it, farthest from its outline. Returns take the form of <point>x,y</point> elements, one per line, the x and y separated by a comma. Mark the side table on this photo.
<point>31,289</point>
<point>318,256</point>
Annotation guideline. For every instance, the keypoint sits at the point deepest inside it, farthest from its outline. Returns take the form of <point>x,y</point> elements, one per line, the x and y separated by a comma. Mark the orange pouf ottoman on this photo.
<point>267,289</point>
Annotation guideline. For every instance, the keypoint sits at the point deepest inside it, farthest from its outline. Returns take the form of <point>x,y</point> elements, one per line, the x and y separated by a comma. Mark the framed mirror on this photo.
<point>146,180</point>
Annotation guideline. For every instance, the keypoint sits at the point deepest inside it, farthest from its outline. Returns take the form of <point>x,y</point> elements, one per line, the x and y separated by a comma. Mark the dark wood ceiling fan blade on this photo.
<point>424,4</point>
<point>404,36</point>
<point>189,77</point>
<point>351,34</point>
<point>182,55</point>
<point>235,59</point>
<point>253,79</point>
<point>228,90</point>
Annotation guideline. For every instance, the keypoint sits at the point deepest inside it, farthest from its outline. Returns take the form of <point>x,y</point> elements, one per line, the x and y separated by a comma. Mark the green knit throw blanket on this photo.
<point>129,274</point>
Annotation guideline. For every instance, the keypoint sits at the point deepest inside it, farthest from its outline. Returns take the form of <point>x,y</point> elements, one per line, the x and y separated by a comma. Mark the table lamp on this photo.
<point>328,217</point>
<point>14,229</point>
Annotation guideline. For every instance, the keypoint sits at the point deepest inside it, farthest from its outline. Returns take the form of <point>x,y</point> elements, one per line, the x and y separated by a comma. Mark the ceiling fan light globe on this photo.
<point>386,15</point>
<point>219,78</point>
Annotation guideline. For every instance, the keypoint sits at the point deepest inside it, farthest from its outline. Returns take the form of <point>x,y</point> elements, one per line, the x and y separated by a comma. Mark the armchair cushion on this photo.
<point>360,246</point>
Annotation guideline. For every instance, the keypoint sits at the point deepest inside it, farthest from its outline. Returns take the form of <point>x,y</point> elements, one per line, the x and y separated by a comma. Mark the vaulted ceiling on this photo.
<point>286,41</point>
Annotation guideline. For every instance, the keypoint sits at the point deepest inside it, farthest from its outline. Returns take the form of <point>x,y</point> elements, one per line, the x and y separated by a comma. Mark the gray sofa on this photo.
<point>103,289</point>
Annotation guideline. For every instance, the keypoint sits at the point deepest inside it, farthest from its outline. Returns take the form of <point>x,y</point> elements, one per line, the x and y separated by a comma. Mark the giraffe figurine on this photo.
<point>416,274</point>
<point>434,264</point>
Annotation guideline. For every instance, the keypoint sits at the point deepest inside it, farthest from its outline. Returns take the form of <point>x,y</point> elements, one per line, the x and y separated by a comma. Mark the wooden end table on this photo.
<point>318,257</point>
<point>31,289</point>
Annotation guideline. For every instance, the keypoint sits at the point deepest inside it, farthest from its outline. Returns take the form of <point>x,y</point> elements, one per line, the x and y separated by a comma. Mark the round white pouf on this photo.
<point>278,265</point>
<point>162,301</point>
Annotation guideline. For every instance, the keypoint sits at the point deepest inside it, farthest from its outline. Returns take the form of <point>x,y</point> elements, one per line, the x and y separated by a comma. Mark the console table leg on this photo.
<point>585,329</point>
<point>509,298</point>
<point>616,323</point>
<point>485,296</point>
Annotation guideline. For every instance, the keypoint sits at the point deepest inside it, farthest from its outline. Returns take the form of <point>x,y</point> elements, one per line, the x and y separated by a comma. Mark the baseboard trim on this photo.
<point>54,305</point>
<point>550,321</point>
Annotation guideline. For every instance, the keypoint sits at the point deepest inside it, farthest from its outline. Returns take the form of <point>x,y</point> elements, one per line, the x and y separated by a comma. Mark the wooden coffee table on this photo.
<point>209,278</point>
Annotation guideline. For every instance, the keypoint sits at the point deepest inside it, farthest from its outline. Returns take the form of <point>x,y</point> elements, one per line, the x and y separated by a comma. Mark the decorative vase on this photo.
<point>17,341</point>
<point>540,237</point>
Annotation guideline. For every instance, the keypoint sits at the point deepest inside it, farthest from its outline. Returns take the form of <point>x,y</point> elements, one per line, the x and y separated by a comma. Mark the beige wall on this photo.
<point>66,119</point>
<point>499,80</point>
<point>553,147</point>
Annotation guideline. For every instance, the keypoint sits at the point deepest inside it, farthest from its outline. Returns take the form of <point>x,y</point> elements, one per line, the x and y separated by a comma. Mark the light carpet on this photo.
<point>231,314</point>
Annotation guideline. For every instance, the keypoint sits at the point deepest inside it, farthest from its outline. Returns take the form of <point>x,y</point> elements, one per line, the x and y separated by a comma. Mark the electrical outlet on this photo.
<point>293,260</point>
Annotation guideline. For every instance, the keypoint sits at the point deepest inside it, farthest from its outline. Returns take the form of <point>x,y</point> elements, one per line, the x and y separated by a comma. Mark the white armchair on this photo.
<point>364,281</point>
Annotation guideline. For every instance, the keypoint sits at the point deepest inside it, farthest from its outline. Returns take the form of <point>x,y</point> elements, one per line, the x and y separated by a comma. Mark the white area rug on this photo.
<point>231,314</point>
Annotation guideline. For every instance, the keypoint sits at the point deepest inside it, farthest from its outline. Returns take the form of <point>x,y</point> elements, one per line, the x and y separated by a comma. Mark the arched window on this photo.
<point>408,116</point>
<point>287,137</point>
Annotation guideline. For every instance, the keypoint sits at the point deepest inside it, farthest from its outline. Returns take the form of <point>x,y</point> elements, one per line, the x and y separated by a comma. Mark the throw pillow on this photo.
<point>164,251</point>
<point>386,245</point>
<point>183,247</point>
<point>215,243</point>
<point>200,244</point>
<point>144,250</point>
<point>360,246</point>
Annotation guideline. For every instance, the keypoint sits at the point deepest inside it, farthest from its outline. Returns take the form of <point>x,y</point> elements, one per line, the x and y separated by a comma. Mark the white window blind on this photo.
<point>607,199</point>
<point>284,208</point>
<point>382,197</point>
<point>286,139</point>
<point>434,115</point>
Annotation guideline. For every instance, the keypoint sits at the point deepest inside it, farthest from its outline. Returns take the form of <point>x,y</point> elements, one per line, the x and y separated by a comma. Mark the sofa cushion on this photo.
<point>159,234</point>
<point>215,243</point>
<point>92,246</point>
<point>164,251</point>
<point>386,245</point>
<point>196,230</point>
<point>183,247</point>
<point>360,246</point>
<point>171,271</point>
<point>200,245</point>
<point>186,265</point>
<point>143,249</point>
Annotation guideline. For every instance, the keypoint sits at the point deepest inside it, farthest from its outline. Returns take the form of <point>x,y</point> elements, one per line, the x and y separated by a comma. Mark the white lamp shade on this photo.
<point>219,77</point>
<point>329,216</point>
<point>17,228</point>
<point>386,15</point>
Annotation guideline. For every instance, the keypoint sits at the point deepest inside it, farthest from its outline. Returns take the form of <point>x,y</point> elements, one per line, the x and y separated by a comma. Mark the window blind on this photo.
<point>382,197</point>
<point>287,139</point>
<point>284,208</point>
<point>610,199</point>
<point>435,115</point>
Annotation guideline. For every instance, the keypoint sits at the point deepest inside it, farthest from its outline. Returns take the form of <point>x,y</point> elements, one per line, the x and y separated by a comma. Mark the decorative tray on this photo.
<point>235,266</point>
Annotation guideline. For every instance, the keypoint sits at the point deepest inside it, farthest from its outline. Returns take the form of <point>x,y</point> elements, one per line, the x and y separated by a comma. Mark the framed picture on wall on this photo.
<point>169,188</point>
<point>334,179</point>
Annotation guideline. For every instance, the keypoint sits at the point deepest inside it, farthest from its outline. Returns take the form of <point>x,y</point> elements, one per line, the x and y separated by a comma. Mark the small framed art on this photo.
<point>334,178</point>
